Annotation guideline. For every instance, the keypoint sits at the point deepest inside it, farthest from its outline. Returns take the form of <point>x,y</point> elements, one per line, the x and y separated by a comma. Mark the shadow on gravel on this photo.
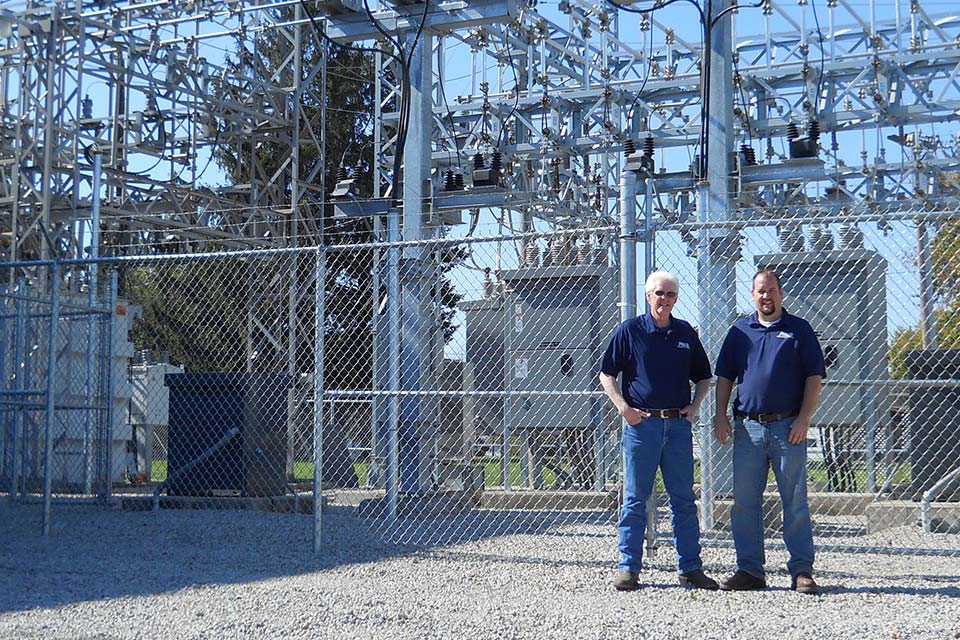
<point>893,589</point>
<point>95,553</point>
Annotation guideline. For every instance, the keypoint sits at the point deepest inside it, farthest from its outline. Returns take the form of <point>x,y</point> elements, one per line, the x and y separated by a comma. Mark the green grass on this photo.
<point>493,474</point>
<point>303,471</point>
<point>158,471</point>
<point>817,475</point>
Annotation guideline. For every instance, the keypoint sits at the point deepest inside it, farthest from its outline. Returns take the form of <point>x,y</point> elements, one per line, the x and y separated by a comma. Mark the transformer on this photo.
<point>544,334</point>
<point>842,294</point>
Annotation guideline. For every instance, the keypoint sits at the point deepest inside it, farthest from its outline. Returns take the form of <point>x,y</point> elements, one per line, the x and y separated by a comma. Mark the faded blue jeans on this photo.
<point>666,443</point>
<point>757,447</point>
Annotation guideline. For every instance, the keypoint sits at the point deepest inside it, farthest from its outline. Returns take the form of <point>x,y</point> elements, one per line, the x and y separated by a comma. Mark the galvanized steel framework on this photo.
<point>557,95</point>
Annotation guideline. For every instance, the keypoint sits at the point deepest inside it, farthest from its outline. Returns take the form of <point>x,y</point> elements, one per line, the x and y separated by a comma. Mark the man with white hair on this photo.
<point>659,356</point>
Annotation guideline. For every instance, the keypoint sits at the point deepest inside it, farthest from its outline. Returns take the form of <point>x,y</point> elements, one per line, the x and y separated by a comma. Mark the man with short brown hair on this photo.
<point>776,361</point>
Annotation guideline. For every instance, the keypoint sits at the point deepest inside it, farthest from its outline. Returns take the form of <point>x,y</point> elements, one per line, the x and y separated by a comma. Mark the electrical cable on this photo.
<point>323,34</point>
<point>163,146</point>
<point>657,7</point>
<point>398,56</point>
<point>446,105</point>
<point>743,101</point>
<point>516,91</point>
<point>646,76</point>
<point>704,69</point>
<point>213,150</point>
<point>705,63</point>
<point>732,8</point>
<point>404,106</point>
<point>816,21</point>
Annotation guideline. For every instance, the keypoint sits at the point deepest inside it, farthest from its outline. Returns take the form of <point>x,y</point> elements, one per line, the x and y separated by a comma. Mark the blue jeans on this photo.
<point>666,443</point>
<point>756,447</point>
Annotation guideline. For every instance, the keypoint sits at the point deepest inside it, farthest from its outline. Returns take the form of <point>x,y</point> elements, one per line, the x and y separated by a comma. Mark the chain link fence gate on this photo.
<point>61,436</point>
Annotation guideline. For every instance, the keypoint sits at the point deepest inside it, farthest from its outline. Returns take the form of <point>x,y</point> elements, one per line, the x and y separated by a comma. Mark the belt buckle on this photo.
<point>767,417</point>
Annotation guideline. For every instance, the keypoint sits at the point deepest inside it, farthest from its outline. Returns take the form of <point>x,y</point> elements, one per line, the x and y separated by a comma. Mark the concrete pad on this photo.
<point>822,503</point>
<point>442,503</point>
<point>550,500</point>
<point>278,504</point>
<point>772,513</point>
<point>891,514</point>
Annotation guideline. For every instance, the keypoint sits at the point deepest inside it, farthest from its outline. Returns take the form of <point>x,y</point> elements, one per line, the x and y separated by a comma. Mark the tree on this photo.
<point>945,271</point>
<point>174,302</point>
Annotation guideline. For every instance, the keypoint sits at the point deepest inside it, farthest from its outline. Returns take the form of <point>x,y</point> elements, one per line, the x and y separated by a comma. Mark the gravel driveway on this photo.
<point>108,574</point>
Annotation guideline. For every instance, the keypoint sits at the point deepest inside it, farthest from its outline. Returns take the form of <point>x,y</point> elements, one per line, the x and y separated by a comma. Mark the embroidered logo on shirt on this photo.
<point>784,334</point>
<point>682,345</point>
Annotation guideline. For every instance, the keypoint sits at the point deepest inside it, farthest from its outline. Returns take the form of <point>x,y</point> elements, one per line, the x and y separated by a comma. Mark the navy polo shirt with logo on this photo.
<point>658,364</point>
<point>770,364</point>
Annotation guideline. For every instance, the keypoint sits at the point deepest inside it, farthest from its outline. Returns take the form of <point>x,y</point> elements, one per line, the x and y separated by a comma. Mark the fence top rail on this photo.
<point>433,242</point>
<point>286,251</point>
<point>837,218</point>
<point>335,394</point>
<point>179,257</point>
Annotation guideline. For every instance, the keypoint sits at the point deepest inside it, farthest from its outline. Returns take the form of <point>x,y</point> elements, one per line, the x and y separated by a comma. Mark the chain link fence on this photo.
<point>473,408</point>
<point>459,390</point>
<point>62,438</point>
<point>878,287</point>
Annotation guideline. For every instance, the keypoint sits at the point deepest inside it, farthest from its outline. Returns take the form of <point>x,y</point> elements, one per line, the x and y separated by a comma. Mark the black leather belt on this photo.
<point>766,417</point>
<point>662,413</point>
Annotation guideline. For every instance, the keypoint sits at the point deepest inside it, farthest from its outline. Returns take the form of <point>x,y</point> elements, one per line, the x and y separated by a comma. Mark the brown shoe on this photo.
<point>698,580</point>
<point>626,580</point>
<point>804,583</point>
<point>743,581</point>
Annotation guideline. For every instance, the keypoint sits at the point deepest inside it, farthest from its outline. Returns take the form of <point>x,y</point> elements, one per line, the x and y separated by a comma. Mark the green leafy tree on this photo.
<point>197,312</point>
<point>945,270</point>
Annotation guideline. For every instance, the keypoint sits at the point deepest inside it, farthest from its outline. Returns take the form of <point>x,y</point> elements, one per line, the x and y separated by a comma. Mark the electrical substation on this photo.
<point>159,154</point>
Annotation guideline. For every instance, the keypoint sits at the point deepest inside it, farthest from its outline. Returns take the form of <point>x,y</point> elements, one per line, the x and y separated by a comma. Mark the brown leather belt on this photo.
<point>766,417</point>
<point>662,413</point>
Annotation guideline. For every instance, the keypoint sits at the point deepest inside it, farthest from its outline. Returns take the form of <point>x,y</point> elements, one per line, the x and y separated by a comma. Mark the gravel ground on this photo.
<point>106,574</point>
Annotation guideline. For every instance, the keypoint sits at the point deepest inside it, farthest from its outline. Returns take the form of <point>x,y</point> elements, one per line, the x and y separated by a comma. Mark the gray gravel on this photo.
<point>105,574</point>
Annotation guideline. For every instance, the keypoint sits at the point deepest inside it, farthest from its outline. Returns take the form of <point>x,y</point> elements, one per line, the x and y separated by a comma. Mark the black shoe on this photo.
<point>743,581</point>
<point>626,580</point>
<point>804,583</point>
<point>698,580</point>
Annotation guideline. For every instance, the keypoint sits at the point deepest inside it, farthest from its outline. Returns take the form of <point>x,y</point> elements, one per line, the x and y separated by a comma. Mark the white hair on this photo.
<point>657,276</point>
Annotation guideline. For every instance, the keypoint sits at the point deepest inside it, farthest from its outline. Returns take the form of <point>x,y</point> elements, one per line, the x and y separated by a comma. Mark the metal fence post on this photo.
<point>318,385</point>
<point>92,270</point>
<point>19,384</point>
<point>50,407</point>
<point>108,431</point>
<point>628,296</point>
<point>393,361</point>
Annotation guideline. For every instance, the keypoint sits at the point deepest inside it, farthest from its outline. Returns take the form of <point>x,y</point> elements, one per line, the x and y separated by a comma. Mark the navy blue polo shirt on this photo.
<point>658,364</point>
<point>770,364</point>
